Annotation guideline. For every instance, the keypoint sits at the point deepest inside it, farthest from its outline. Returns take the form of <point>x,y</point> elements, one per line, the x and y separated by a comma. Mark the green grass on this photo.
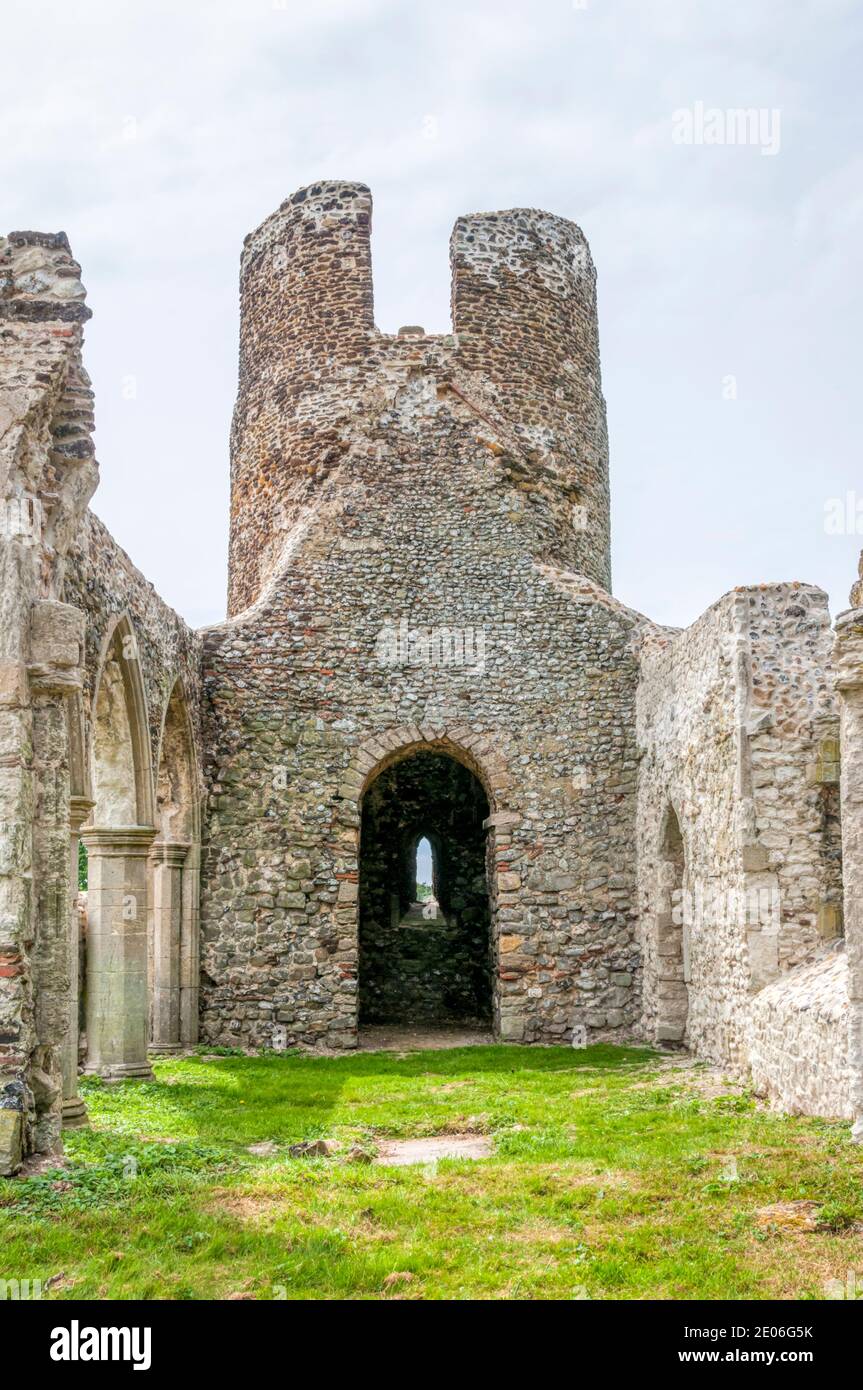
<point>613,1175</point>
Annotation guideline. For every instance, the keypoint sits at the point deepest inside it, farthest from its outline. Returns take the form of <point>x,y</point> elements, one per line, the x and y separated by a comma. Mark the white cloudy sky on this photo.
<point>158,134</point>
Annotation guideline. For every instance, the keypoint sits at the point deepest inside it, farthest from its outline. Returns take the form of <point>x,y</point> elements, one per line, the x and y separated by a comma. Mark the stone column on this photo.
<point>190,953</point>
<point>848,659</point>
<point>117,991</point>
<point>168,860</point>
<point>74,1109</point>
<point>55,675</point>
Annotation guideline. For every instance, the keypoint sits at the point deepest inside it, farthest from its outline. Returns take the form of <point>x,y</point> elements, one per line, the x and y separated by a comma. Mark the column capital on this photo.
<point>119,841</point>
<point>170,852</point>
<point>79,809</point>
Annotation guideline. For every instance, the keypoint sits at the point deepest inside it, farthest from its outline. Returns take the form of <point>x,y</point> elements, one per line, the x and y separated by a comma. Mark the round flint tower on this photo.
<point>524,347</point>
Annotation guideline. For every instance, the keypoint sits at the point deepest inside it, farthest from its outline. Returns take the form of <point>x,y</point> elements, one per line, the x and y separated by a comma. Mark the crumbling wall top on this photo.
<point>40,279</point>
<point>318,380</point>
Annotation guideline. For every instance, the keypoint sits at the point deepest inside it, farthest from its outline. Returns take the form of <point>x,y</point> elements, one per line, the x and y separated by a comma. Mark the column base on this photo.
<point>122,1071</point>
<point>75,1114</point>
<point>166,1049</point>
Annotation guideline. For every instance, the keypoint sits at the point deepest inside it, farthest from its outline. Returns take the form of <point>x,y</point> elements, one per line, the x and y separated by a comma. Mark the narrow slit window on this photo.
<point>424,872</point>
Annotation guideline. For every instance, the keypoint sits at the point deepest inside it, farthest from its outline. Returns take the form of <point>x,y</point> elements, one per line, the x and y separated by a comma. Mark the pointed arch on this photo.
<point>121,773</point>
<point>423,860</point>
<point>672,929</point>
<point>118,839</point>
<point>173,934</point>
<point>178,790</point>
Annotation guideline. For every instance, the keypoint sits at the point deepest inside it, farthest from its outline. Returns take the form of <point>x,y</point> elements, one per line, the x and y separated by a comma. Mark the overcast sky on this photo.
<point>156,135</point>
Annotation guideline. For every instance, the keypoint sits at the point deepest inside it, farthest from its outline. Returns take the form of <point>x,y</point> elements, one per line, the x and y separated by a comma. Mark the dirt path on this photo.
<point>414,1039</point>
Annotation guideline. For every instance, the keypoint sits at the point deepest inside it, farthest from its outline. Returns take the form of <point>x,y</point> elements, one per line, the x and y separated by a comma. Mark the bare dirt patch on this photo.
<point>788,1217</point>
<point>402,1152</point>
<point>250,1206</point>
<point>392,1039</point>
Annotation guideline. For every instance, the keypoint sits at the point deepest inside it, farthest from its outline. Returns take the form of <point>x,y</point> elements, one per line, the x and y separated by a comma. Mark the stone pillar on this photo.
<point>74,1109</point>
<point>117,987</point>
<point>848,658</point>
<point>168,860</point>
<point>190,951</point>
<point>55,675</point>
<point>47,477</point>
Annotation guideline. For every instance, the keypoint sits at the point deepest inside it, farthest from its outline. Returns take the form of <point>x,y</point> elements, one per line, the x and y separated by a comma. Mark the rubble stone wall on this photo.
<point>419,540</point>
<point>798,1031</point>
<point>737,733</point>
<point>317,381</point>
<point>63,583</point>
<point>47,475</point>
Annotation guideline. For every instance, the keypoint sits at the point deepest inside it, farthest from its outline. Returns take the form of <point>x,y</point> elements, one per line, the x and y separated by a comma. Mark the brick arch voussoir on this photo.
<point>478,752</point>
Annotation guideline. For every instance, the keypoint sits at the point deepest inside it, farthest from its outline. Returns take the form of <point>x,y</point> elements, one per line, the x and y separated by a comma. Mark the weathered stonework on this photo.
<point>47,474</point>
<point>390,494</point>
<point>67,593</point>
<point>322,394</point>
<point>798,1039</point>
<point>637,832</point>
<point>848,666</point>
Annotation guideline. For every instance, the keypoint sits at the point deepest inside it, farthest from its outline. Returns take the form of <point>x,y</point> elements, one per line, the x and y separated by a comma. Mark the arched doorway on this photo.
<point>424,912</point>
<point>672,934</point>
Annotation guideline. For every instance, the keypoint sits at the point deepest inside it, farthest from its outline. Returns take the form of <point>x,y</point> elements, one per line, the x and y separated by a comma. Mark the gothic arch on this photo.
<point>120,763</point>
<point>411,839</point>
<point>178,791</point>
<point>672,929</point>
<point>118,839</point>
<point>173,934</point>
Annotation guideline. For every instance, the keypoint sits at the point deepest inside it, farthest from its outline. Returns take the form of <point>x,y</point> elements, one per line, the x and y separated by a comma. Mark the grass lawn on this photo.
<point>614,1174</point>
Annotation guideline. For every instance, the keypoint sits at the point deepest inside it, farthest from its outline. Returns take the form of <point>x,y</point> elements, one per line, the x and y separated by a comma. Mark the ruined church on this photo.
<point>635,832</point>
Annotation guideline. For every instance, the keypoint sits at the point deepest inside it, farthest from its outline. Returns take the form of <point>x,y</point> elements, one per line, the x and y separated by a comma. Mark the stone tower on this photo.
<point>315,373</point>
<point>420,644</point>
